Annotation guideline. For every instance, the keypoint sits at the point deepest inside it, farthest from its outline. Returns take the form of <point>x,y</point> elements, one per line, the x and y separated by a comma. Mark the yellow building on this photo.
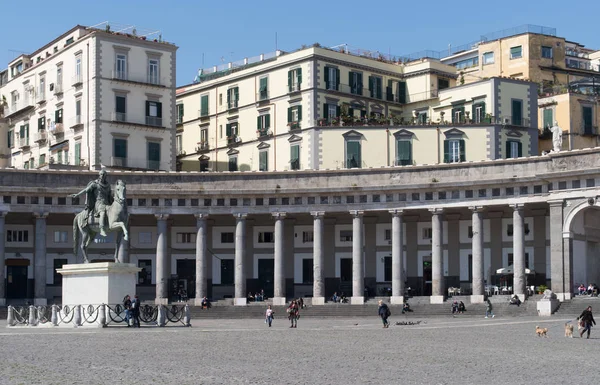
<point>320,108</point>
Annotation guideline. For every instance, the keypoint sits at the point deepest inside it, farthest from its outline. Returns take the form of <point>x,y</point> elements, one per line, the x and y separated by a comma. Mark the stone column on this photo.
<point>518,251</point>
<point>2,260</point>
<point>201,258</point>
<point>477,251</point>
<point>39,272</point>
<point>240,255</point>
<point>318,261</point>
<point>279,298</point>
<point>557,262</point>
<point>437,257</point>
<point>358,267</point>
<point>397,260</point>
<point>162,260</point>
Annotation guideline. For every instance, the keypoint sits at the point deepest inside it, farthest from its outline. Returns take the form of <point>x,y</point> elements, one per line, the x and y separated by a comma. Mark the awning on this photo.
<point>510,270</point>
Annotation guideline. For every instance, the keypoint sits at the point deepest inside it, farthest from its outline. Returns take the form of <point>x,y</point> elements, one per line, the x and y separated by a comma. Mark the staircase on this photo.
<point>575,306</point>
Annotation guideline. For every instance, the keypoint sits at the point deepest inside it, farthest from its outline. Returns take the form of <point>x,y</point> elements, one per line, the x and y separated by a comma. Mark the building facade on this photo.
<point>86,97</point>
<point>360,231</point>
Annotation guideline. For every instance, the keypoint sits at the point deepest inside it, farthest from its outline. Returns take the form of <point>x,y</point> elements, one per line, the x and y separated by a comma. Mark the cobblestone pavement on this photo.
<point>328,351</point>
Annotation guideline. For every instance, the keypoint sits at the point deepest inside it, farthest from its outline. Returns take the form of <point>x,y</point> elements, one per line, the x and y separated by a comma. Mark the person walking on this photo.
<point>135,311</point>
<point>489,309</point>
<point>269,315</point>
<point>384,313</point>
<point>127,307</point>
<point>587,319</point>
<point>293,314</point>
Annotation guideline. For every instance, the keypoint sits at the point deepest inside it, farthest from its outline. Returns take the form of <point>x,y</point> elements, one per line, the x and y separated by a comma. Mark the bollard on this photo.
<point>188,316</point>
<point>39,314</point>
<point>102,315</point>
<point>54,318</point>
<point>161,319</point>
<point>32,312</point>
<point>10,318</point>
<point>77,316</point>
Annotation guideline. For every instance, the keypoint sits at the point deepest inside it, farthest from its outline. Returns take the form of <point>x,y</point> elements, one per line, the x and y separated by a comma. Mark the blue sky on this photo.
<point>223,31</point>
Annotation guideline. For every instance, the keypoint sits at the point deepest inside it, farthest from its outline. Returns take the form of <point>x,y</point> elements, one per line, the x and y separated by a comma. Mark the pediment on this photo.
<point>454,133</point>
<point>263,145</point>
<point>352,134</point>
<point>404,134</point>
<point>204,157</point>
<point>514,134</point>
<point>294,138</point>
<point>232,151</point>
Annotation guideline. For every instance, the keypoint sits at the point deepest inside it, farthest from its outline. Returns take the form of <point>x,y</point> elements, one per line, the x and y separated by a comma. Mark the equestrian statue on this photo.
<point>104,212</point>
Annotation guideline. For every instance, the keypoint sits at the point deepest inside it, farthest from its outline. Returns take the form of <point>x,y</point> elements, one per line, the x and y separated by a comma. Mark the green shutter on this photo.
<point>446,151</point>
<point>379,87</point>
<point>158,110</point>
<point>517,112</point>
<point>229,98</point>
<point>351,112</point>
<point>337,79</point>
<point>263,157</point>
<point>289,114</point>
<point>41,124</point>
<point>371,85</point>
<point>507,153</point>
<point>325,111</point>
<point>350,79</point>
<point>520,149</point>
<point>299,113</point>
<point>290,74</point>
<point>8,138</point>
<point>236,94</point>
<point>299,74</point>
<point>258,122</point>
<point>326,77</point>
<point>268,121</point>
<point>404,152</point>
<point>337,111</point>
<point>402,92</point>
<point>587,119</point>
<point>295,157</point>
<point>77,153</point>
<point>228,130</point>
<point>462,150</point>
<point>204,105</point>
<point>360,83</point>
<point>548,118</point>
<point>483,112</point>
<point>263,83</point>
<point>353,154</point>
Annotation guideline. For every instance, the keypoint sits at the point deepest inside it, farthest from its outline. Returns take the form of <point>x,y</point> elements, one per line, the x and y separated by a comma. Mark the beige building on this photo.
<point>83,100</point>
<point>319,108</point>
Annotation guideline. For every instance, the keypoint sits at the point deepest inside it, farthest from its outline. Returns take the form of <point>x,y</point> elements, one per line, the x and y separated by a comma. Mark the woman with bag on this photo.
<point>127,306</point>
<point>269,315</point>
<point>293,314</point>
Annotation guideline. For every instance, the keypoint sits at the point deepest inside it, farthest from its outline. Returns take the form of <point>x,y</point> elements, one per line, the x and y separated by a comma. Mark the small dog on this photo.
<point>568,330</point>
<point>541,331</point>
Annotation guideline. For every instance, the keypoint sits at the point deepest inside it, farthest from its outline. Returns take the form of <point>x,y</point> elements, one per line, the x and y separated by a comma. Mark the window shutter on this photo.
<point>359,78</point>
<point>548,118</point>
<point>351,81</point>
<point>351,112</point>
<point>290,73</point>
<point>77,153</point>
<point>325,111</point>
<point>446,151</point>
<point>520,149</point>
<point>363,114</point>
<point>56,115</point>
<point>402,92</point>
<point>337,79</point>
<point>236,93</point>
<point>41,124</point>
<point>204,105</point>
<point>267,121</point>
<point>326,77</point>
<point>228,98</point>
<point>371,86</point>
<point>508,154</point>
<point>337,111</point>
<point>294,152</point>
<point>228,130</point>
<point>404,152</point>
<point>159,110</point>
<point>299,74</point>
<point>483,111</point>
<point>258,122</point>
<point>263,84</point>
<point>379,87</point>
<point>462,150</point>
<point>289,114</point>
<point>299,113</point>
<point>147,108</point>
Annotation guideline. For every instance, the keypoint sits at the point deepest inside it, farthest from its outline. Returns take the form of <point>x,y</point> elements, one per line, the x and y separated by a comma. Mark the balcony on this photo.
<point>264,133</point>
<point>294,126</point>
<point>576,53</point>
<point>41,96</point>
<point>589,130</point>
<point>17,107</point>
<point>232,104</point>
<point>40,136</point>
<point>179,120</point>
<point>76,122</point>
<point>153,121</point>
<point>58,88</point>
<point>77,80</point>
<point>203,113</point>
<point>181,152</point>
<point>295,87</point>
<point>23,143</point>
<point>116,161</point>
<point>119,117</point>
<point>141,78</point>
<point>262,95</point>
<point>57,129</point>
<point>202,146</point>
<point>233,139</point>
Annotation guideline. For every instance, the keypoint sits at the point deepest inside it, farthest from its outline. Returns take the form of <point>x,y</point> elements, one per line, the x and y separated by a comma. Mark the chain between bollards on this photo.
<point>10,318</point>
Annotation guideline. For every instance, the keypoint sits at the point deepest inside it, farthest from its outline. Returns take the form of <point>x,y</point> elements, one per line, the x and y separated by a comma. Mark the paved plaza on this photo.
<point>327,351</point>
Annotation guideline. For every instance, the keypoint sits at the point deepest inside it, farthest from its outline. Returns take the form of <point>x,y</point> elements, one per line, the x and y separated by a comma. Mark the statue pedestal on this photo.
<point>97,283</point>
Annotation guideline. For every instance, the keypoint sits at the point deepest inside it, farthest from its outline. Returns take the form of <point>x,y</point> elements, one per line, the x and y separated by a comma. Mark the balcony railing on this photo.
<point>119,117</point>
<point>77,80</point>
<point>58,88</point>
<point>135,77</point>
<point>153,121</point>
<point>264,132</point>
<point>76,121</point>
<point>262,95</point>
<point>233,139</point>
<point>41,96</point>
<point>16,107</point>
<point>23,142</point>
<point>294,125</point>
<point>203,113</point>
<point>575,53</point>
<point>202,146</point>
<point>40,136</point>
<point>57,129</point>
<point>117,161</point>
<point>295,87</point>
<point>589,130</point>
<point>232,104</point>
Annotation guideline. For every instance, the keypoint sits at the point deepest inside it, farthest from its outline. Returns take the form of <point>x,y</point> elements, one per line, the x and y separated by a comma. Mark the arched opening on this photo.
<point>585,237</point>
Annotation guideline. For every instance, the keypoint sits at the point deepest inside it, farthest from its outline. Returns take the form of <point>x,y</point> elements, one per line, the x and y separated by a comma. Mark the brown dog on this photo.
<point>541,331</point>
<point>568,330</point>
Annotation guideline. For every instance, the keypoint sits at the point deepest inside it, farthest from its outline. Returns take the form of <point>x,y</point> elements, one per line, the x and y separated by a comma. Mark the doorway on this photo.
<point>266,276</point>
<point>16,281</point>
<point>346,269</point>
<point>427,278</point>
<point>186,275</point>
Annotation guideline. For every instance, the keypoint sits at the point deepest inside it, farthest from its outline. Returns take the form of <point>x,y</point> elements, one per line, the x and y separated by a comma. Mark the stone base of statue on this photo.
<point>97,283</point>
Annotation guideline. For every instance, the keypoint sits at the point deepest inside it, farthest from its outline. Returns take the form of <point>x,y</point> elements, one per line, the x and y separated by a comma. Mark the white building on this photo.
<point>86,97</point>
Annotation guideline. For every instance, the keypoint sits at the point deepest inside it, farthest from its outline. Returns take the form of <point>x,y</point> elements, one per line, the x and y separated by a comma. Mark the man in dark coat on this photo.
<point>587,319</point>
<point>384,313</point>
<point>135,311</point>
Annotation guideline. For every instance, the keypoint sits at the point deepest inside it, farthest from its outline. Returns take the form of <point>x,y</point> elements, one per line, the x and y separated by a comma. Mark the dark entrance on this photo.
<point>346,269</point>
<point>186,276</point>
<point>16,282</point>
<point>266,276</point>
<point>427,278</point>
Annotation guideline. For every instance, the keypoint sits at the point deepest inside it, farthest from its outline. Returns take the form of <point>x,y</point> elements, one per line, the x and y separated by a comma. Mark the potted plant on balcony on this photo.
<point>321,122</point>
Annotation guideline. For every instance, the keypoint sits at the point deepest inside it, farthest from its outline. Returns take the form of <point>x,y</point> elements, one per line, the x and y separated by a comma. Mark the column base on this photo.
<point>2,301</point>
<point>161,301</point>
<point>436,299</point>
<point>40,302</point>
<point>476,298</point>
<point>397,300</point>
<point>522,296</point>
<point>279,301</point>
<point>318,301</point>
<point>197,301</point>
<point>240,301</point>
<point>357,300</point>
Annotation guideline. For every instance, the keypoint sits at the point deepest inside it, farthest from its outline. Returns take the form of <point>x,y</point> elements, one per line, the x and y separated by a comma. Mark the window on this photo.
<point>179,144</point>
<point>387,235</point>
<point>42,159</point>
<point>332,78</point>
<point>266,237</point>
<point>295,157</point>
<point>488,58</point>
<point>227,237</point>
<point>517,112</point>
<point>233,164</point>
<point>307,271</point>
<point>58,116</point>
<point>427,233</point>
<point>353,154</point>
<point>10,138</point>
<point>233,96</point>
<point>308,236</point>
<point>186,237</point>
<point>330,111</point>
<point>231,130</point>
<point>121,66</point>
<point>401,92</point>
<point>153,155</point>
<point>204,135</point>
<point>263,160</point>
<point>145,238</point>
<point>180,113</point>
<point>454,150</point>
<point>404,152</point>
<point>204,105</point>
<point>145,275</point>
<point>375,87</point>
<point>42,90</point>
<point>77,153</point>
<point>294,79</point>
<point>263,123</point>
<point>78,67</point>
<point>120,108</point>
<point>227,272</point>
<point>78,111</point>
<point>24,135</point>
<point>478,113</point>
<point>548,117</point>
<point>458,115</point>
<point>58,264</point>
<point>443,84</point>
<point>69,41</point>
<point>120,151</point>
<point>21,236</point>
<point>60,236</point>
<point>263,88</point>
<point>587,115</point>
<point>153,113</point>
<point>153,71</point>
<point>387,269</point>
<point>59,79</point>
<point>516,52</point>
<point>355,80</point>
<point>547,52</point>
<point>513,149</point>
<point>294,116</point>
<point>346,236</point>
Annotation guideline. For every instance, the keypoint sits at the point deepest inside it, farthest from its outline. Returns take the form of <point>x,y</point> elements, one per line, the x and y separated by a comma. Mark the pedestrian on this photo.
<point>127,307</point>
<point>488,309</point>
<point>384,313</point>
<point>135,311</point>
<point>293,314</point>
<point>587,319</point>
<point>269,315</point>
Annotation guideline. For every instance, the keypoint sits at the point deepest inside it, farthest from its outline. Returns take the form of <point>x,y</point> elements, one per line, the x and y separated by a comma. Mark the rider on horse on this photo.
<point>98,196</point>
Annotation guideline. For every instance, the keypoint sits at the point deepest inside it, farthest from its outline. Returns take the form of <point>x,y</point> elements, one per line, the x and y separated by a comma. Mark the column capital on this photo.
<point>436,211</point>
<point>317,214</point>
<point>396,212</point>
<point>518,206</point>
<point>357,213</point>
<point>556,203</point>
<point>40,215</point>
<point>201,216</point>
<point>163,217</point>
<point>476,209</point>
<point>279,215</point>
<point>240,216</point>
